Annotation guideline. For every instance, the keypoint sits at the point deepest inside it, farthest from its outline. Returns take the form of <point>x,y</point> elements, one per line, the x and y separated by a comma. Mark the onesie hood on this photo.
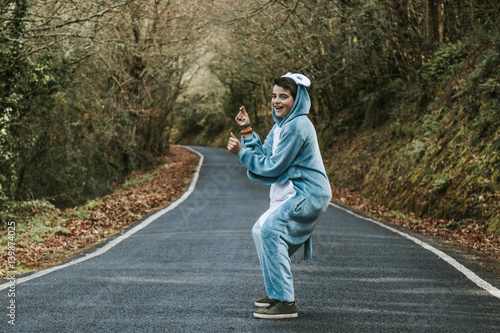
<point>301,106</point>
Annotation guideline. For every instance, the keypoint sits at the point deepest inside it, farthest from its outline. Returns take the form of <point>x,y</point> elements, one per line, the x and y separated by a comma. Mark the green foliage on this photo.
<point>494,226</point>
<point>23,210</point>
<point>430,127</point>
<point>137,180</point>
<point>449,60</point>
<point>418,149</point>
<point>441,183</point>
<point>24,100</point>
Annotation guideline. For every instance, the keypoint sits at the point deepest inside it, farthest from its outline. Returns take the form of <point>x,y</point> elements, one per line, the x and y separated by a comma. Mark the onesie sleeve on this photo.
<point>273,165</point>
<point>255,144</point>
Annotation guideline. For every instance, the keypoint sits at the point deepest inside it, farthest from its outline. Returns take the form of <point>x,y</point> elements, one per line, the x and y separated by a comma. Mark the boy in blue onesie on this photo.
<point>289,161</point>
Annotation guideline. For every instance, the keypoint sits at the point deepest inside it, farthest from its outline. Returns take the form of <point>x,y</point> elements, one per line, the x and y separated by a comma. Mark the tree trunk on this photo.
<point>434,27</point>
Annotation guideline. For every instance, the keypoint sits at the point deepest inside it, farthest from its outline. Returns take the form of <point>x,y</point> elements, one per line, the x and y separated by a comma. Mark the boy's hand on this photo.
<point>234,145</point>
<point>242,117</point>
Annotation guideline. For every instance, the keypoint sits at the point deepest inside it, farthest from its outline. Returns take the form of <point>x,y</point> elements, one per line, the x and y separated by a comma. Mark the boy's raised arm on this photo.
<point>243,119</point>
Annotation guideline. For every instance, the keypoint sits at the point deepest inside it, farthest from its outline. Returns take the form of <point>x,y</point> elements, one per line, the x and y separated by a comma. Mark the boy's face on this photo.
<point>282,101</point>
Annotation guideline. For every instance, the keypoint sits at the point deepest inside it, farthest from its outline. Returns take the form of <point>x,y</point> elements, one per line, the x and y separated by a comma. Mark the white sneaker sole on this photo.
<point>281,316</point>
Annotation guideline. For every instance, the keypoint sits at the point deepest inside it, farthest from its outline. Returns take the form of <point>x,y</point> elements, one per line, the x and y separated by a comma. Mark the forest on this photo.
<point>405,94</point>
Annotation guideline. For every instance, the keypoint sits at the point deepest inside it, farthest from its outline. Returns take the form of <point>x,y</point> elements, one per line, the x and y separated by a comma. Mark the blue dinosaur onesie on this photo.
<point>289,161</point>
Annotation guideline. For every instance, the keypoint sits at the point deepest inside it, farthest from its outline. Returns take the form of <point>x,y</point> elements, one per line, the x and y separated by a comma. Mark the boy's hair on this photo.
<point>288,84</point>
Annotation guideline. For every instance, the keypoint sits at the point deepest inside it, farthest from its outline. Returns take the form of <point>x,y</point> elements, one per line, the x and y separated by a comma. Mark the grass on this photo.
<point>136,180</point>
<point>34,230</point>
<point>403,216</point>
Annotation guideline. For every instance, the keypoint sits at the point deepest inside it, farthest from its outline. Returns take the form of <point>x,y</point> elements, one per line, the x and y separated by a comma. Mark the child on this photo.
<point>289,161</point>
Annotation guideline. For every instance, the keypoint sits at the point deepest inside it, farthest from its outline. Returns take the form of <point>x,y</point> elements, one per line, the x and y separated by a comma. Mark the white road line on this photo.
<point>117,240</point>
<point>461,268</point>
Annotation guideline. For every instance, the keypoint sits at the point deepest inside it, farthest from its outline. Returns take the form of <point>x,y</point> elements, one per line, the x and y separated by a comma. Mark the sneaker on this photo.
<point>264,302</point>
<point>278,310</point>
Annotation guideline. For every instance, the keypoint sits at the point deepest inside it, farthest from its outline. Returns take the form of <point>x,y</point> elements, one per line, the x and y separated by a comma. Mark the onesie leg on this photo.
<point>258,241</point>
<point>274,260</point>
<point>256,232</point>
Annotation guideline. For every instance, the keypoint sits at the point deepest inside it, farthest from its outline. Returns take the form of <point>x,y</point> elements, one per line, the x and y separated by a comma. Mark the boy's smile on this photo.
<point>282,101</point>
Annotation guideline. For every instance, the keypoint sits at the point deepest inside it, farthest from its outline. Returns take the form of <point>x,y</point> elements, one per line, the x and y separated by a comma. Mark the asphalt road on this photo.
<point>195,269</point>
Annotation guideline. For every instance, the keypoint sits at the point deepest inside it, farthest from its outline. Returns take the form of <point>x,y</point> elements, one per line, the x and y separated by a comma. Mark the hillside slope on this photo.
<point>439,155</point>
